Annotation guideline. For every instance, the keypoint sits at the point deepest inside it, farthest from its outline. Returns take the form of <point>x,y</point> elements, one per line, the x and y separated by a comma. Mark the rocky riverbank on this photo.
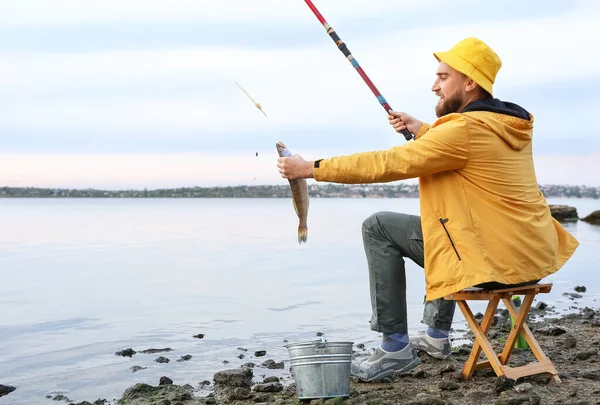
<point>566,213</point>
<point>570,341</point>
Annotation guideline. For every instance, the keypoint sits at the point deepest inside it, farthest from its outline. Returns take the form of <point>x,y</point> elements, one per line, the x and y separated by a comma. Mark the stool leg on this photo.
<point>486,323</point>
<point>481,341</point>
<point>539,354</point>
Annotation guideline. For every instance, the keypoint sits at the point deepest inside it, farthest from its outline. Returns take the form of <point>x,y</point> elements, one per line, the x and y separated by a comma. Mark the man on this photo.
<point>484,222</point>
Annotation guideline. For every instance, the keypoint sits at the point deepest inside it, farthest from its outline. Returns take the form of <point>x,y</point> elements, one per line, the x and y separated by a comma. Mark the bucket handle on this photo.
<point>321,345</point>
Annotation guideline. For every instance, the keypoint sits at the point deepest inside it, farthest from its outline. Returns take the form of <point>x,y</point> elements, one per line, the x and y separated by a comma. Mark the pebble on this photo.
<point>448,385</point>
<point>525,387</point>
<point>164,380</point>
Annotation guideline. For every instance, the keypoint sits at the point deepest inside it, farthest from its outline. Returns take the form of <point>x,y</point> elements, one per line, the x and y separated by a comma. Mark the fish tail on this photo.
<point>302,234</point>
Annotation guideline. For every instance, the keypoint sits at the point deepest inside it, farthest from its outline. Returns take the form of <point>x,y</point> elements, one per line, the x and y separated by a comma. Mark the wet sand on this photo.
<point>571,341</point>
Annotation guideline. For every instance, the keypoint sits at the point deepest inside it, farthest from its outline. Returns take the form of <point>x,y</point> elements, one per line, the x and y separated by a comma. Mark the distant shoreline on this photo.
<point>326,190</point>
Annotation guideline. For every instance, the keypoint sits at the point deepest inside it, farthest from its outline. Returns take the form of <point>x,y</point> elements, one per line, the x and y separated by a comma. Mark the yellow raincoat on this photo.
<point>482,213</point>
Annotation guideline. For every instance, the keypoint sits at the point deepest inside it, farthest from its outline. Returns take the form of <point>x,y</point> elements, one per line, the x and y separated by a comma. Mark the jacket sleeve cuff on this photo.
<point>424,128</point>
<point>318,170</point>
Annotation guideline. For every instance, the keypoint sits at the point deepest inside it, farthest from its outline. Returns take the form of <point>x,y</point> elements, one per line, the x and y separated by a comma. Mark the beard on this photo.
<point>449,105</point>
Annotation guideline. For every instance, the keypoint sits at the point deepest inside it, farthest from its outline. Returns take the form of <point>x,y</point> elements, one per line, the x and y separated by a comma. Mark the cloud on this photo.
<point>62,12</point>
<point>163,94</point>
<point>314,84</point>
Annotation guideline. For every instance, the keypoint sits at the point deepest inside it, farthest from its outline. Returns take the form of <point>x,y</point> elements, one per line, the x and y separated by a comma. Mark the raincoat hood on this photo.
<point>509,121</point>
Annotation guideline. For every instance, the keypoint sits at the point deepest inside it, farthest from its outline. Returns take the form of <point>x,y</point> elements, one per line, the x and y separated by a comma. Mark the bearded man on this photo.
<point>484,222</point>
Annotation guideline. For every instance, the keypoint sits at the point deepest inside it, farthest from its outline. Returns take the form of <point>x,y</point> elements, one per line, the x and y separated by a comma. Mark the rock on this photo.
<point>564,213</point>
<point>240,393</point>
<point>140,390</point>
<point>448,385</point>
<point>518,400</point>
<point>588,313</point>
<point>162,359</point>
<point>541,378</point>
<point>263,397</point>
<point>147,394</point>
<point>503,384</point>
<point>153,351</point>
<point>448,368</point>
<point>570,341</point>
<point>199,336</point>
<point>165,381</point>
<point>525,387</point>
<point>126,353</point>
<point>61,397</point>
<point>573,296</point>
<point>6,389</point>
<point>584,355</point>
<point>185,358</point>
<point>462,351</point>
<point>551,331</point>
<point>581,289</point>
<point>541,306</point>
<point>269,387</point>
<point>270,364</point>
<point>260,353</point>
<point>270,379</point>
<point>593,218</point>
<point>241,377</point>
<point>136,368</point>
<point>249,365</point>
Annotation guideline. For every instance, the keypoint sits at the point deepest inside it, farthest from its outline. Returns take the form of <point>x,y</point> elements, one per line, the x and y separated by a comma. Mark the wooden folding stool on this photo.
<point>498,361</point>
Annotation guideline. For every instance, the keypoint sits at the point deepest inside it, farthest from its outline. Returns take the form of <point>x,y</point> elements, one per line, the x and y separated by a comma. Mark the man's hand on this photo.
<point>295,167</point>
<point>401,120</point>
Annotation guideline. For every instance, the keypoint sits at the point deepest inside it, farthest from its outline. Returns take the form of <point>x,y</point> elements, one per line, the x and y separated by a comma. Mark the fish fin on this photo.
<point>302,234</point>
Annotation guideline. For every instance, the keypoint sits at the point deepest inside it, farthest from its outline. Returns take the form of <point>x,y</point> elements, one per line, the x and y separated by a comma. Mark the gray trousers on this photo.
<point>388,238</point>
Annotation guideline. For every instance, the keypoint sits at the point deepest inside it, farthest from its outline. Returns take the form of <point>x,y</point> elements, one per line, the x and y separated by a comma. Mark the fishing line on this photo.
<point>258,106</point>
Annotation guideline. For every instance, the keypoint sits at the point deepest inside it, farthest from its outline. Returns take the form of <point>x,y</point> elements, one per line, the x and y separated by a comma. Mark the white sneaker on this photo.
<point>437,348</point>
<point>383,364</point>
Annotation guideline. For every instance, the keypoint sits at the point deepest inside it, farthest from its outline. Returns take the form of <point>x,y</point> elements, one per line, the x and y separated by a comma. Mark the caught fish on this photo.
<point>299,196</point>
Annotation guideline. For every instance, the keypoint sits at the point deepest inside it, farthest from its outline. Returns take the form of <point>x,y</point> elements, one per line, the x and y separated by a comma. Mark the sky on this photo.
<point>134,94</point>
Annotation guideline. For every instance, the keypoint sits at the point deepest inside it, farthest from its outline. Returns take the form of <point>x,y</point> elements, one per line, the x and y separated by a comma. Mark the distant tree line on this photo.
<point>325,190</point>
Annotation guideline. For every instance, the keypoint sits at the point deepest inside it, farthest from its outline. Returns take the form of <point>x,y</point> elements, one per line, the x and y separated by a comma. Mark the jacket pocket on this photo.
<point>443,222</point>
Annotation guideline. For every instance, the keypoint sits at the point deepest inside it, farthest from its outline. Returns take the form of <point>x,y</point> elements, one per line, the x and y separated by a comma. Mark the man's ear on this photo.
<point>470,85</point>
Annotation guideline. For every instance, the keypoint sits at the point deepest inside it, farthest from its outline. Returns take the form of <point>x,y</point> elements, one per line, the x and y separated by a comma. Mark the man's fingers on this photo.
<point>399,128</point>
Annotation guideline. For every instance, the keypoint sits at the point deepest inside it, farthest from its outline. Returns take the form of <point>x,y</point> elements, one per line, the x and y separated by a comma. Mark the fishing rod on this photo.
<point>344,49</point>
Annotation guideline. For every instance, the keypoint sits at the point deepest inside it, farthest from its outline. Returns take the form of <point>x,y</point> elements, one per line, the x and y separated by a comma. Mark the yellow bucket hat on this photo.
<point>474,58</point>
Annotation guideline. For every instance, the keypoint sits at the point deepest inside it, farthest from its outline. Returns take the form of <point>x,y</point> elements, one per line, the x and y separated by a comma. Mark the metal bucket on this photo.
<point>321,369</point>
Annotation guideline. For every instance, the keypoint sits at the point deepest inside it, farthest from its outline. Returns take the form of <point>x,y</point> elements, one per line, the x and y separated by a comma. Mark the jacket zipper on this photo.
<point>443,222</point>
